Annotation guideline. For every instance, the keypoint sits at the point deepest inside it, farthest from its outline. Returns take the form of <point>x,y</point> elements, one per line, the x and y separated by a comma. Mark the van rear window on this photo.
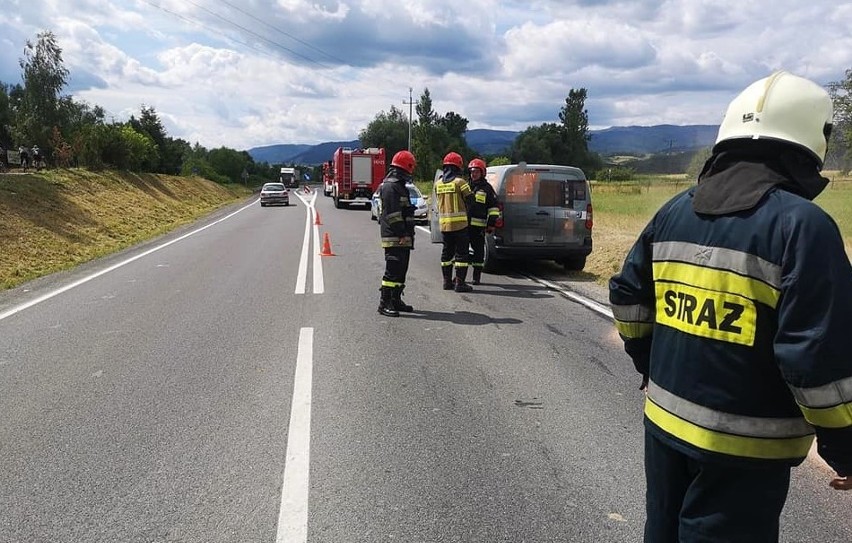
<point>561,192</point>
<point>520,187</point>
<point>551,189</point>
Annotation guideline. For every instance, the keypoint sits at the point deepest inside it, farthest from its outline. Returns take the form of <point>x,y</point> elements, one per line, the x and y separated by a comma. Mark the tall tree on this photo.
<point>389,129</point>
<point>6,115</point>
<point>840,146</point>
<point>575,128</point>
<point>169,152</point>
<point>426,116</point>
<point>44,76</point>
<point>455,124</point>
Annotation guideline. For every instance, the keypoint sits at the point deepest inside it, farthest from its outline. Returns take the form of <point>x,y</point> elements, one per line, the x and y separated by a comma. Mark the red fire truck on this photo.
<point>357,173</point>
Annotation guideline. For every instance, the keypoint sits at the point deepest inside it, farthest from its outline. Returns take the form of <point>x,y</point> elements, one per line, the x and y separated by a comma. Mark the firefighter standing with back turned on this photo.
<point>735,305</point>
<point>454,197</point>
<point>482,215</point>
<point>396,222</point>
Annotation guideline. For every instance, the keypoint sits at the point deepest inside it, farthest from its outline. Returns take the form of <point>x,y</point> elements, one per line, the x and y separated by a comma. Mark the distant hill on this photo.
<point>652,139</point>
<point>490,142</point>
<point>628,140</point>
<point>275,154</point>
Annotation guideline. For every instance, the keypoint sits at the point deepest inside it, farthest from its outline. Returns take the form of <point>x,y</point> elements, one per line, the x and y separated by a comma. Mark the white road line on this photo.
<point>302,276</point>
<point>571,295</point>
<point>319,284</point>
<point>293,515</point>
<point>51,294</point>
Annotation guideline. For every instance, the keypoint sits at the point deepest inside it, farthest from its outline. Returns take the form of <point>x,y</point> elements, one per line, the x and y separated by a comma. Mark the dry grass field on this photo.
<point>623,209</point>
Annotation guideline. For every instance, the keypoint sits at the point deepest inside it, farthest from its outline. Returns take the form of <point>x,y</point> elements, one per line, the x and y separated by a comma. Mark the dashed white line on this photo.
<point>293,513</point>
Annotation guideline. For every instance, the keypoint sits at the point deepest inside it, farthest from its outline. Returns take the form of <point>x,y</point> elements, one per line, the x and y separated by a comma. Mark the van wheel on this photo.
<point>574,263</point>
<point>490,264</point>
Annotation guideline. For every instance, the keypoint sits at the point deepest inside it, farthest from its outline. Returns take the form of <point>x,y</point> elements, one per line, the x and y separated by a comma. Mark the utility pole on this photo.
<point>410,104</point>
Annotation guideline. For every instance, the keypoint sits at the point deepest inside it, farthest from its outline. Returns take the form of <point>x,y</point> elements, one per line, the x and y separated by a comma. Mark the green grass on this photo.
<point>621,210</point>
<point>57,219</point>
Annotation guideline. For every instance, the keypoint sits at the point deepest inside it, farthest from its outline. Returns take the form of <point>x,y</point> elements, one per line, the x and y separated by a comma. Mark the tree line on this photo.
<point>74,133</point>
<point>434,135</point>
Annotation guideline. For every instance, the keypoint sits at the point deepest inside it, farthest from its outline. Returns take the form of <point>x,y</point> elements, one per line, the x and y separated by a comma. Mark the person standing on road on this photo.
<point>396,222</point>
<point>454,198</point>
<point>735,305</point>
<point>482,215</point>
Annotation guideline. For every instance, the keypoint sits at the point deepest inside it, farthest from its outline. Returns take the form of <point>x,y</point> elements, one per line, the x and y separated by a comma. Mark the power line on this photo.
<point>294,38</point>
<point>251,46</point>
<point>255,34</point>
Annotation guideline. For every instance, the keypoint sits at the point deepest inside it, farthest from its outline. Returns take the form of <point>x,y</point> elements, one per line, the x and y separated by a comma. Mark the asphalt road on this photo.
<point>227,383</point>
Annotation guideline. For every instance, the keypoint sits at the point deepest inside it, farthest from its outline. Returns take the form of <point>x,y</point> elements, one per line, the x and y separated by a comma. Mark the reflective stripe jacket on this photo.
<point>483,210</point>
<point>743,323</point>
<point>396,214</point>
<point>453,194</point>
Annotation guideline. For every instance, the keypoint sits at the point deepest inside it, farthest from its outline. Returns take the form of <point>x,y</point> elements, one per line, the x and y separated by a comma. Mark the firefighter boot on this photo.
<point>398,304</point>
<point>461,275</point>
<point>477,275</point>
<point>386,306</point>
<point>448,277</point>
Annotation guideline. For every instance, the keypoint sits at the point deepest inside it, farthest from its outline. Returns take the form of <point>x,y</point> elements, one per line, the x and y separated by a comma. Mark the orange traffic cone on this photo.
<point>317,219</point>
<point>326,246</point>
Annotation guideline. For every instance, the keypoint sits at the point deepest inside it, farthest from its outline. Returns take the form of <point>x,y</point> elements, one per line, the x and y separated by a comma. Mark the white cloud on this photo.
<point>245,73</point>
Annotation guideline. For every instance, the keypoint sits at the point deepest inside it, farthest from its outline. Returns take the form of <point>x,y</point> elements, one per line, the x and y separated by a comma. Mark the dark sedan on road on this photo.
<point>274,194</point>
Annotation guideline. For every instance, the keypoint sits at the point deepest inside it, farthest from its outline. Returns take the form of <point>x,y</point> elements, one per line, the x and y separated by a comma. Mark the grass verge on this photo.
<point>56,219</point>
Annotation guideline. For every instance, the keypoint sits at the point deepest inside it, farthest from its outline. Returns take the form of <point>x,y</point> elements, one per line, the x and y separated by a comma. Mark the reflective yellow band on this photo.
<point>839,416</point>
<point>709,440</point>
<point>391,284</point>
<point>633,330</point>
<point>719,280</point>
<point>477,222</point>
<point>452,220</point>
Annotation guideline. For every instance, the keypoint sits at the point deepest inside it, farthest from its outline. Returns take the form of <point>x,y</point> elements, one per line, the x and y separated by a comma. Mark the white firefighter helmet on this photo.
<point>782,107</point>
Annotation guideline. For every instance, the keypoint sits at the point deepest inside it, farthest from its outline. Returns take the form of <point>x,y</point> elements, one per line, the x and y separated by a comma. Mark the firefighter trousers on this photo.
<point>477,246</point>
<point>692,501</point>
<point>456,248</point>
<point>396,266</point>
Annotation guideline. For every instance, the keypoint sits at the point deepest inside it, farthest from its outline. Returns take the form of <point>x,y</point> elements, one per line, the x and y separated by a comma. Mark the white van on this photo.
<point>547,215</point>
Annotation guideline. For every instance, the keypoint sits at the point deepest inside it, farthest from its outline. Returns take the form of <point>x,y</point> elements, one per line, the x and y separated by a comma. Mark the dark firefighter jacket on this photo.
<point>483,211</point>
<point>740,316</point>
<point>396,214</point>
<point>453,194</point>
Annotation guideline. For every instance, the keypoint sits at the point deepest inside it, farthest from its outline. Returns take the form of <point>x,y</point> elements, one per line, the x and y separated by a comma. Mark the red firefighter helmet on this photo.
<point>454,159</point>
<point>477,163</point>
<point>405,160</point>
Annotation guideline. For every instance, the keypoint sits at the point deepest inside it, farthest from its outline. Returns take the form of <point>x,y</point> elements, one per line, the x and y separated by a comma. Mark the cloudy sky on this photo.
<point>248,73</point>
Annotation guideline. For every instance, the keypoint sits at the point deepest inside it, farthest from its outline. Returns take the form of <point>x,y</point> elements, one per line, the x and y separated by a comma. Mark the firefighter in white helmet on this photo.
<point>735,305</point>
